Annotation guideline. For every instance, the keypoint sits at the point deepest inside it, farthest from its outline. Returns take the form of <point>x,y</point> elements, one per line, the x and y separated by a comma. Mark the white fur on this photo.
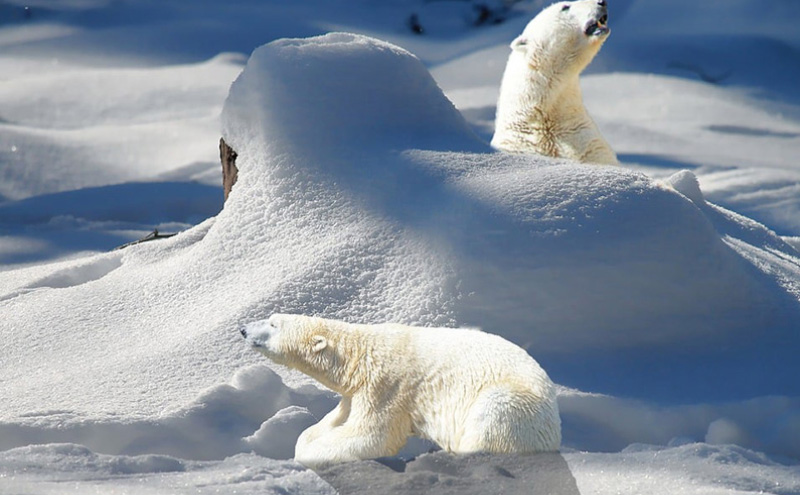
<point>464,389</point>
<point>540,108</point>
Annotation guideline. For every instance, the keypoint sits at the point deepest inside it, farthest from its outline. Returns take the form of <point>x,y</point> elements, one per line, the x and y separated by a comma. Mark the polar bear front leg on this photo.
<point>361,433</point>
<point>345,443</point>
<point>336,417</point>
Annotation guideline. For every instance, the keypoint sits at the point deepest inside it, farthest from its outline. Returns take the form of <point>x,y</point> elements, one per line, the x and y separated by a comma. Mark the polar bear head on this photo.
<point>564,37</point>
<point>319,348</point>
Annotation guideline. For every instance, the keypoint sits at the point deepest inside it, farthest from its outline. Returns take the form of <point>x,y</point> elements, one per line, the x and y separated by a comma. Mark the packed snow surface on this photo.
<point>657,294</point>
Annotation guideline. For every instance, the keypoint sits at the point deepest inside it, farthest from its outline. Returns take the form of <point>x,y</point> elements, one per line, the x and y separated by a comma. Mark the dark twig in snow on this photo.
<point>152,236</point>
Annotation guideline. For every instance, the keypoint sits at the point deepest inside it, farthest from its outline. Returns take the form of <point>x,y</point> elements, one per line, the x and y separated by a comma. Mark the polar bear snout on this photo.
<point>597,25</point>
<point>258,334</point>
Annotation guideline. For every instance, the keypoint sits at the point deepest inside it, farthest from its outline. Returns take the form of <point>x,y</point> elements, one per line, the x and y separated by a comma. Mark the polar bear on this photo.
<point>465,390</point>
<point>540,107</point>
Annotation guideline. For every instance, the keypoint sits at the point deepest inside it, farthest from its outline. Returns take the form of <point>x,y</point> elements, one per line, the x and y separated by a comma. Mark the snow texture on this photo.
<point>663,295</point>
<point>62,469</point>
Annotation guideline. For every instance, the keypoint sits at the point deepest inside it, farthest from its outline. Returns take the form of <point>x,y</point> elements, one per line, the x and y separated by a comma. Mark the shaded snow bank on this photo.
<point>741,147</point>
<point>603,423</point>
<point>364,196</point>
<point>93,158</point>
<point>97,127</point>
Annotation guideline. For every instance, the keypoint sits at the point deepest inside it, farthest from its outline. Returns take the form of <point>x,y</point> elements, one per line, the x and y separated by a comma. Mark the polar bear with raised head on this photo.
<point>465,390</point>
<point>540,108</point>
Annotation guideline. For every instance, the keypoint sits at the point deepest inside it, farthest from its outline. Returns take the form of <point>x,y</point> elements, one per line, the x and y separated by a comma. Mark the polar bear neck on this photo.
<point>354,352</point>
<point>540,108</point>
<point>537,108</point>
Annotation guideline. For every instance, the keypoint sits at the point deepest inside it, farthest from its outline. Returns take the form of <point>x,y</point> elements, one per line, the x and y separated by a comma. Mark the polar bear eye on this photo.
<point>564,7</point>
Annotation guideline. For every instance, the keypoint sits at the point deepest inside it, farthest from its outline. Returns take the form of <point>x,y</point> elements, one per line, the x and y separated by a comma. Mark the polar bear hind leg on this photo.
<point>508,420</point>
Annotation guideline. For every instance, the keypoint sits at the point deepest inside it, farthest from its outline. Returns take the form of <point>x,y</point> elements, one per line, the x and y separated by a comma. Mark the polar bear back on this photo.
<point>471,383</point>
<point>471,352</point>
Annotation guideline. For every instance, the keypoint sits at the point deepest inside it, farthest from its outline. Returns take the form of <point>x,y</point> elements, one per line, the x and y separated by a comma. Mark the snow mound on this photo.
<point>364,196</point>
<point>686,183</point>
<point>278,435</point>
<point>349,91</point>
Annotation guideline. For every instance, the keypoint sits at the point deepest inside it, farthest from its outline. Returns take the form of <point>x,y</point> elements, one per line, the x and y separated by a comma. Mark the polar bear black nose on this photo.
<point>243,331</point>
<point>601,3</point>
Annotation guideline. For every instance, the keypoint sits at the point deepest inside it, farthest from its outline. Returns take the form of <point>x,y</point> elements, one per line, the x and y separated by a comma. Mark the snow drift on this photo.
<point>364,196</point>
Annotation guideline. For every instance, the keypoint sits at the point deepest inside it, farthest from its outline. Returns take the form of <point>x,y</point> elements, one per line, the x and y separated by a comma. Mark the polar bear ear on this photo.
<point>318,343</point>
<point>519,44</point>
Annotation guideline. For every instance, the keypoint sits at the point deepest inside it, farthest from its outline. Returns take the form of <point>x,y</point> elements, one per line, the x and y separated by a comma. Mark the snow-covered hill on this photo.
<point>365,195</point>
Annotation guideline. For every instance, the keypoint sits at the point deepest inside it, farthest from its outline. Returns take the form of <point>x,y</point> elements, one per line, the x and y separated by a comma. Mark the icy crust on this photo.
<point>698,469</point>
<point>387,208</point>
<point>691,469</point>
<point>62,469</point>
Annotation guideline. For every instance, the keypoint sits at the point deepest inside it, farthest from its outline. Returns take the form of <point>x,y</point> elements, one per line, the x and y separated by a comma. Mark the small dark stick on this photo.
<point>230,172</point>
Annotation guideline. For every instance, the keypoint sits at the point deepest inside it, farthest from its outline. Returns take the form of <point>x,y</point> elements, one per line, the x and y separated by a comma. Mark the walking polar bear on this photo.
<point>464,389</point>
<point>540,107</point>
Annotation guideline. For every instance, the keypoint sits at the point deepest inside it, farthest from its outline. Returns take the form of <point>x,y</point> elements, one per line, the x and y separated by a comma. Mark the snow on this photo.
<point>690,469</point>
<point>687,469</point>
<point>663,296</point>
<point>74,469</point>
<point>141,141</point>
